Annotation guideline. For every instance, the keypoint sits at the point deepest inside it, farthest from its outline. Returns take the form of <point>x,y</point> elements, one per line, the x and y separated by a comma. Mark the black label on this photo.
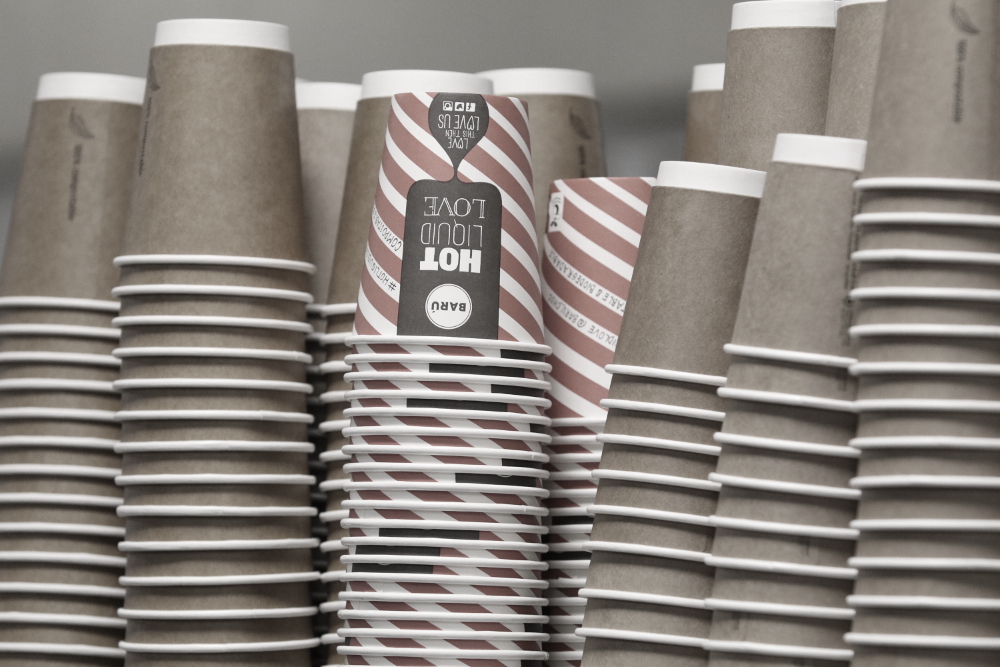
<point>450,282</point>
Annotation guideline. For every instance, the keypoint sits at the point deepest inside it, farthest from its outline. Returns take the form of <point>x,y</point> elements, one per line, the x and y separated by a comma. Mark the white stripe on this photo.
<point>520,254</point>
<point>521,108</point>
<point>513,327</point>
<point>385,233</point>
<point>602,218</point>
<point>396,200</point>
<point>494,151</point>
<point>375,318</point>
<point>614,303</point>
<point>412,169</point>
<point>527,219</point>
<point>501,120</point>
<point>574,401</point>
<point>621,193</point>
<point>372,265</point>
<point>624,269</point>
<point>419,133</point>
<point>562,309</point>
<point>575,360</point>
<point>517,291</point>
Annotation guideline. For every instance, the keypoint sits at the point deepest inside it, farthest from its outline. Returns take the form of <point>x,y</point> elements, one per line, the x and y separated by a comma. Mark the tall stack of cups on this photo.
<point>590,248</point>
<point>446,518</point>
<point>326,118</point>
<point>778,60</point>
<point>214,288</point>
<point>856,48</point>
<point>566,136</point>
<point>926,324</point>
<point>704,113</point>
<point>648,579</point>
<point>364,173</point>
<point>782,534</point>
<point>59,533</point>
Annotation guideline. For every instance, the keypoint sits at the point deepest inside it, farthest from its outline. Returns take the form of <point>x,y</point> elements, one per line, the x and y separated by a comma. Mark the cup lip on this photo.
<point>216,614</point>
<point>52,528</point>
<point>445,579</point>
<point>41,618</point>
<point>590,440</point>
<point>72,499</point>
<point>645,513</point>
<point>922,641</point>
<point>443,616</point>
<point>642,637</point>
<point>465,378</point>
<point>476,396</point>
<point>794,488</point>
<point>58,470</point>
<point>784,14</point>
<point>815,150</point>
<point>781,567</point>
<point>643,598</point>
<point>63,557</point>
<point>716,178</point>
<point>461,545</point>
<point>431,431</point>
<point>452,561</point>
<point>55,384</point>
<point>925,564</point>
<point>926,256</point>
<point>924,368</point>
<point>210,321</point>
<point>923,602</point>
<point>518,81</point>
<point>447,468</point>
<point>927,218</point>
<point>212,415</point>
<point>812,448</point>
<point>708,77</point>
<point>485,489</point>
<point>925,482</point>
<point>217,648</point>
<point>665,374</point>
<point>445,507</point>
<point>783,528</point>
<point>215,511</point>
<point>365,358</point>
<point>96,86</point>
<point>159,546</point>
<point>435,450</point>
<point>926,293</point>
<point>59,303</point>
<point>326,95</point>
<point>214,446</point>
<point>58,441</point>
<point>928,525</point>
<point>924,442</point>
<point>326,310</point>
<point>218,580</point>
<point>430,341</point>
<point>162,479</point>
<point>922,330</point>
<point>926,404</point>
<point>211,383</point>
<point>386,83</point>
<point>220,352</point>
<point>445,413</point>
<point>179,289</point>
<point>426,524</point>
<point>485,635</point>
<point>216,260</point>
<point>848,3</point>
<point>72,358</point>
<point>437,598</point>
<point>88,590</point>
<point>924,182</point>
<point>791,356</point>
<point>662,409</point>
<point>48,648</point>
<point>791,400</point>
<point>62,414</point>
<point>222,32</point>
<point>778,650</point>
<point>432,653</point>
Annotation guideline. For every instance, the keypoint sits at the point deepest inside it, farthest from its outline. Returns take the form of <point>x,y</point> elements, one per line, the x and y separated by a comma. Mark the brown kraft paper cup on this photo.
<point>782,630</point>
<point>212,336</point>
<point>800,549</point>
<point>46,573</point>
<point>921,657</point>
<point>665,392</point>
<point>925,461</point>
<point>70,208</point>
<point>298,658</point>
<point>704,119</point>
<point>935,109</point>
<point>61,603</point>
<point>94,516</point>
<point>102,546</point>
<point>221,368</point>
<point>242,495</point>
<point>928,423</point>
<point>153,529</point>
<point>60,455</point>
<point>641,617</point>
<point>650,532</point>
<point>188,462</point>
<point>856,47</point>
<point>599,652</point>
<point>777,80</point>
<point>786,422</point>
<point>219,563</point>
<point>646,574</point>
<point>80,345</point>
<point>654,425</point>
<point>214,274</point>
<point>933,583</point>
<point>213,399</point>
<point>921,386</point>
<point>39,315</point>
<point>169,429</point>
<point>929,544</point>
<point>719,659</point>
<point>803,468</point>
<point>164,304</point>
<point>617,456</point>
<point>656,497</point>
<point>939,622</point>
<point>922,503</point>
<point>220,631</point>
<point>929,274</point>
<point>732,584</point>
<point>60,634</point>
<point>209,105</point>
<point>255,596</point>
<point>785,507</point>
<point>791,378</point>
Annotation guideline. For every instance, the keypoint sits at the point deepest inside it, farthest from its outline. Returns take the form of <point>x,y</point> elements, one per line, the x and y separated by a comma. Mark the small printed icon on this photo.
<point>446,106</point>
<point>448,306</point>
<point>555,210</point>
<point>459,106</point>
<point>470,106</point>
<point>78,126</point>
<point>962,21</point>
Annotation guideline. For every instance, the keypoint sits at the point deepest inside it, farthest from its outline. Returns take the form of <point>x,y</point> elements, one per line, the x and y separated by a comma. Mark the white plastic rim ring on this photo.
<point>642,637</point>
<point>778,609</point>
<point>62,589</point>
<point>444,341</point>
<point>444,580</point>
<point>923,602</point>
<point>60,529</point>
<point>219,580</point>
<point>927,404</point>
<point>386,83</point>
<point>662,374</point>
<point>641,598</point>
<point>56,384</point>
<point>924,218</point>
<point>445,487</point>
<point>925,442</point>
<point>406,633</point>
<point>925,368</point>
<point>931,330</point>
<point>216,260</point>
<point>403,376</point>
<point>791,400</point>
<point>211,383</point>
<point>49,648</point>
<point>926,293</point>
<point>60,330</point>
<point>214,511</point>
<point>63,557</point>
<point>215,614</point>
<point>794,488</point>
<point>446,469</point>
<point>71,499</point>
<point>925,183</point>
<point>477,545</point>
<point>429,431</point>
<point>333,426</point>
<point>779,650</point>
<point>425,524</point>
<point>79,620</point>
<point>215,446</point>
<point>926,482</point>
<point>923,641</point>
<point>214,415</point>
<point>660,409</point>
<point>59,303</point>
<point>445,507</point>
<point>210,321</point>
<point>809,358</point>
<point>644,550</point>
<point>847,3</point>
<point>245,647</point>
<point>714,177</point>
<point>375,614</point>
<point>222,32</point>
<point>61,414</point>
<point>661,480</point>
<point>445,413</point>
<point>214,478</point>
<point>926,564</point>
<point>927,256</point>
<point>777,528</point>
<point>129,546</point>
<point>816,449</point>
<point>331,309</point>
<point>642,513</point>
<point>928,525</point>
<point>820,151</point>
<point>708,77</point>
<point>389,394</point>
<point>58,470</point>
<point>434,653</point>
<point>171,289</point>
<point>784,14</point>
<point>334,338</point>
<point>653,443</point>
<point>327,95</point>
<point>499,362</point>
<point>389,596</point>
<point>70,358</point>
<point>345,453</point>
<point>778,567</point>
<point>91,86</point>
<point>456,561</point>
<point>219,352</point>
<point>57,441</point>
<point>541,81</point>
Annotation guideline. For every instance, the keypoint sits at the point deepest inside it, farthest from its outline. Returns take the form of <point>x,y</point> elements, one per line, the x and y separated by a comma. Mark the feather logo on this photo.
<point>78,126</point>
<point>961,19</point>
<point>578,125</point>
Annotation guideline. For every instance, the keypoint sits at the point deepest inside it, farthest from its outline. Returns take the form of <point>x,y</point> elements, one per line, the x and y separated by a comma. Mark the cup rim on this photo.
<point>813,448</point>
<point>430,341</point>
<point>476,396</point>
<point>366,358</point>
<point>57,384</point>
<point>449,561</point>
<point>211,383</point>
<point>292,326</point>
<point>216,614</point>
<point>472,545</point>
<point>59,303</point>
<point>431,431</point>
<point>923,602</point>
<point>484,635</point>
<point>782,567</point>
<point>499,508</point>
<point>217,580</point>
<point>211,415</point>
<point>215,511</point>
<point>53,528</point>
<point>216,260</point>
<point>403,376</point>
<point>794,488</point>
<point>221,352</point>
<point>214,446</point>
<point>658,479</point>
<point>163,479</point>
<point>662,409</point>
<point>792,356</point>
<point>72,499</point>
<point>927,183</point>
<point>447,598</point>
<point>645,513</point>
<point>642,598</point>
<point>445,580</point>
<point>665,374</point>
<point>924,330</point>
<point>643,637</point>
<point>925,482</point>
<point>70,358</point>
<point>60,331</point>
<point>784,528</point>
<point>43,618</point>
<point>426,524</point>
<point>960,294</point>
<point>924,442</point>
<point>58,470</point>
<point>486,489</point>
<point>217,648</point>
<point>778,650</point>
<point>63,558</point>
<point>435,450</point>
<point>446,413</point>
<point>157,546</point>
<point>48,648</point>
<point>928,218</point>
<point>179,289</point>
<point>786,399</point>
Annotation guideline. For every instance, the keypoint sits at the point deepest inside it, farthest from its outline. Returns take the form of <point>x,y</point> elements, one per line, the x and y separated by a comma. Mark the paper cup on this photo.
<point>856,47</point>
<point>417,436</point>
<point>704,113</point>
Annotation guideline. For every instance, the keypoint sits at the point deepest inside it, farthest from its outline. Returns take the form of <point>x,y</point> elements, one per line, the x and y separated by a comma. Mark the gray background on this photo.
<point>640,51</point>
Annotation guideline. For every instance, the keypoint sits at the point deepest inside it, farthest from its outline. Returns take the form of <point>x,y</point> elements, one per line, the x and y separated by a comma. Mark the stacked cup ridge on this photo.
<point>326,119</point>
<point>648,578</point>
<point>214,288</point>
<point>59,533</point>
<point>445,527</point>
<point>361,182</point>
<point>926,325</point>
<point>704,113</point>
<point>782,534</point>
<point>567,140</point>
<point>590,247</point>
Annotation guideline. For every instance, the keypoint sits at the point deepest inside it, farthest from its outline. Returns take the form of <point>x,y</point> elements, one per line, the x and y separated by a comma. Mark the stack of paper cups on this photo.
<point>590,248</point>
<point>567,140</point>
<point>782,526</point>
<point>856,48</point>
<point>58,528</point>
<point>326,118</point>
<point>926,327</point>
<point>648,579</point>
<point>214,289</point>
<point>704,113</point>
<point>778,60</point>
<point>446,482</point>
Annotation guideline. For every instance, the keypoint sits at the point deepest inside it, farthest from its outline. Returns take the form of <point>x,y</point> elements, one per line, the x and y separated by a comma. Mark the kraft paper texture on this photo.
<point>785,507</point>
<point>638,617</point>
<point>243,463</point>
<point>220,631</point>
<point>208,367</point>
<point>973,504</point>
<point>789,422</point>
<point>929,462</point>
<point>298,658</point>
<point>207,274</point>
<point>789,378</point>
<point>932,201</point>
<point>61,574</point>
<point>221,494</point>
<point>704,118</point>
<point>665,392</point>
<point>613,653</point>
<point>645,574</point>
<point>935,584</point>
<point>786,466</point>
<point>782,548</point>
<point>856,47</point>
<point>656,497</point>
<point>773,629</point>
<point>218,563</point>
<point>780,588</point>
<point>631,530</point>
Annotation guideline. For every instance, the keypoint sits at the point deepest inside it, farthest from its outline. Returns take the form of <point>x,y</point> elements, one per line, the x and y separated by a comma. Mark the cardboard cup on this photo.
<point>212,399</point>
<point>651,618</point>
<point>688,536</point>
<point>298,658</point>
<point>173,364</point>
<point>646,574</point>
<point>771,546</point>
<point>218,631</point>
<point>72,400</point>
<point>242,596</point>
<point>620,493</point>
<point>60,634</point>
<point>98,368</point>
<point>939,622</point>
<point>928,583</point>
<point>733,584</point>
<point>55,343</point>
<point>789,377</point>
<point>778,62</point>
<point>600,652</point>
<point>789,422</point>
<point>146,529</point>
<point>720,659</point>
<point>39,541</point>
<point>256,209</point>
<point>782,507</point>
<point>927,423</point>
<point>95,516</point>
<point>243,495</point>
<point>790,630</point>
<point>962,544</point>
<point>704,114</point>
<point>696,239</point>
<point>918,502</point>
<point>975,349</point>
<point>856,47</point>
<point>82,601</point>
<point>217,563</point>
<point>59,456</point>
<point>253,272</point>
<point>208,304</point>
<point>82,136</point>
<point>926,386</point>
<point>665,391</point>
<point>212,336</point>
<point>897,307</point>
<point>865,656</point>
<point>35,569</point>
<point>915,203</point>
<point>60,313</point>
<point>933,102</point>
<point>237,462</point>
<point>882,269</point>
<point>660,426</point>
<point>800,467</point>
<point>618,456</point>
<point>213,430</point>
<point>918,460</point>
